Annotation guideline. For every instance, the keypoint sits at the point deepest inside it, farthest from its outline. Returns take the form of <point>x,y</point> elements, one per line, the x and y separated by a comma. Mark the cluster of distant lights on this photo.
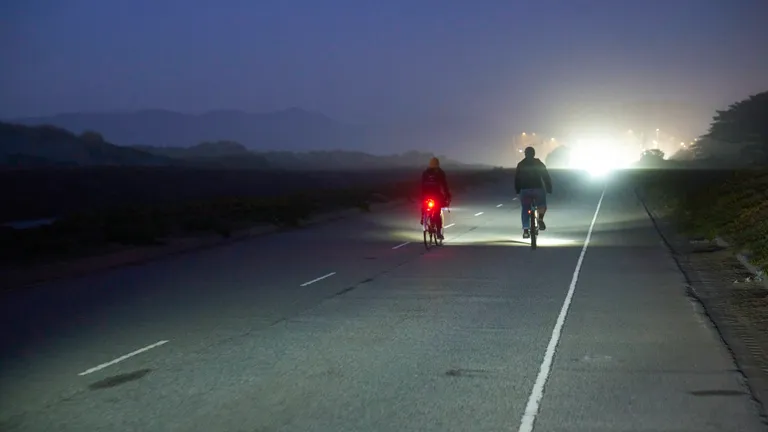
<point>656,141</point>
<point>599,157</point>
<point>532,134</point>
<point>630,131</point>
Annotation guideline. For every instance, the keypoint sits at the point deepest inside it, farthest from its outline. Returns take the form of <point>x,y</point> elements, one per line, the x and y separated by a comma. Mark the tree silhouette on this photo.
<point>559,157</point>
<point>92,137</point>
<point>653,154</point>
<point>652,158</point>
<point>743,123</point>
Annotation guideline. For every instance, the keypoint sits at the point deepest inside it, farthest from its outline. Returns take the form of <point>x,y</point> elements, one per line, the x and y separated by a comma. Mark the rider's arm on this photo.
<point>517,179</point>
<point>547,179</point>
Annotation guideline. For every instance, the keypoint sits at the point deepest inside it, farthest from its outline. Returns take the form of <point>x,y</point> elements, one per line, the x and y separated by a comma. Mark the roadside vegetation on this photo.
<point>720,188</point>
<point>99,228</point>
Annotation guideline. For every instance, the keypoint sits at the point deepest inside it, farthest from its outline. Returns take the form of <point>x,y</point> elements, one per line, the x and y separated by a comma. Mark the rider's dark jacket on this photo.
<point>434,184</point>
<point>531,173</point>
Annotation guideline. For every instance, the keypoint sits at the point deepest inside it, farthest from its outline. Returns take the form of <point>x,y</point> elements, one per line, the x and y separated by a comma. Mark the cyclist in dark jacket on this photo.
<point>434,185</point>
<point>532,181</point>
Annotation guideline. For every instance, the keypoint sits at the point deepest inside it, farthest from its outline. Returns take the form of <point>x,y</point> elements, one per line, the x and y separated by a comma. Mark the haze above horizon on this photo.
<point>549,66</point>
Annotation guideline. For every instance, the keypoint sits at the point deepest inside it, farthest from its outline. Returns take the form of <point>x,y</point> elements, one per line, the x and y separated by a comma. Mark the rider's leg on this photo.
<point>439,222</point>
<point>421,208</point>
<point>439,225</point>
<point>525,205</point>
<point>542,225</point>
<point>542,198</point>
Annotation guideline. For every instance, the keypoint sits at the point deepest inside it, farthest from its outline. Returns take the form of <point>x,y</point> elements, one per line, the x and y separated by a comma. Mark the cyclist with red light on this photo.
<point>435,186</point>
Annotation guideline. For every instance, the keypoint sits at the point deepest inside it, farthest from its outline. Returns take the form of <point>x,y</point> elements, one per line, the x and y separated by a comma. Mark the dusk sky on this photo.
<point>536,64</point>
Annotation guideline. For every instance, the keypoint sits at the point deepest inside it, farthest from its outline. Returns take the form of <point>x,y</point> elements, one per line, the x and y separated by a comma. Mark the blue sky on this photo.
<point>548,64</point>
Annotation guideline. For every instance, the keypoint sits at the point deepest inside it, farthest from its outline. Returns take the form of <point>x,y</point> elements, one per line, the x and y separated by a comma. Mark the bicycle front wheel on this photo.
<point>534,229</point>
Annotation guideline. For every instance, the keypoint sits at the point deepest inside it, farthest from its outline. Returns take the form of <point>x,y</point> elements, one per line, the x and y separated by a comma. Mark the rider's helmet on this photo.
<point>530,152</point>
<point>434,163</point>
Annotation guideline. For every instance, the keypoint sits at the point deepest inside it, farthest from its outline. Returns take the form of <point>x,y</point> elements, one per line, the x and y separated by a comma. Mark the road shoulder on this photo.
<point>134,255</point>
<point>735,303</point>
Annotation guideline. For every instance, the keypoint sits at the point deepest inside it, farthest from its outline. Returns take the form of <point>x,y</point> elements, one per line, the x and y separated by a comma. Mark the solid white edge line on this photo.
<point>401,245</point>
<point>537,393</point>
<point>499,205</point>
<point>318,279</point>
<point>448,226</point>
<point>478,214</point>
<point>119,359</point>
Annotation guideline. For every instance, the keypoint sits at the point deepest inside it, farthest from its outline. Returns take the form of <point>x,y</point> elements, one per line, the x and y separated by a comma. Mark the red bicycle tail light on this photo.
<point>430,203</point>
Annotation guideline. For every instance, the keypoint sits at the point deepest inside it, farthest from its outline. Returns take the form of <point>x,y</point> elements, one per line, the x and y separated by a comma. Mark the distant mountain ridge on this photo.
<point>41,146</point>
<point>51,146</point>
<point>293,129</point>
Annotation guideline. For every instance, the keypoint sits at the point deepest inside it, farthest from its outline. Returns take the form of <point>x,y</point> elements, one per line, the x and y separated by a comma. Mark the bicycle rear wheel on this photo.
<point>432,232</point>
<point>427,222</point>
<point>534,226</point>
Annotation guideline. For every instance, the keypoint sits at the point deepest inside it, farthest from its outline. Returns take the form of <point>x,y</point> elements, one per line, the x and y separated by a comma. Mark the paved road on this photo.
<point>482,334</point>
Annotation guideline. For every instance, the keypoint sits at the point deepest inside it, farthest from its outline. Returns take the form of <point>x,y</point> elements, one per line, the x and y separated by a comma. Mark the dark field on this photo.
<point>44,193</point>
<point>98,207</point>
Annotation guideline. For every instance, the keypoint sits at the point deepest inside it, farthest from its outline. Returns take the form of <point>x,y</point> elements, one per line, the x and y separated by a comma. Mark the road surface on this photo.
<point>347,327</point>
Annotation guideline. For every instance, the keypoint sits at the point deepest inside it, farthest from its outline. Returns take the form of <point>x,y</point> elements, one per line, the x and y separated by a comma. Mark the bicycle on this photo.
<point>533,210</point>
<point>430,226</point>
